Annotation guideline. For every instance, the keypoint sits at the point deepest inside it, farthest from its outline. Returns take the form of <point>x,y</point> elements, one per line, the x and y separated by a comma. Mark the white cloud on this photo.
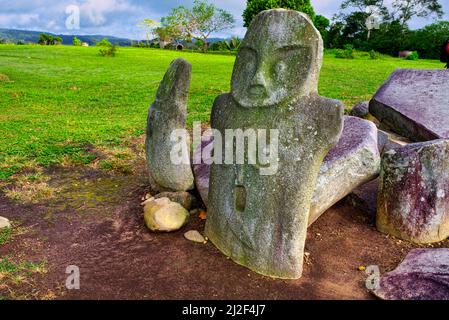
<point>96,10</point>
<point>120,17</point>
<point>22,19</point>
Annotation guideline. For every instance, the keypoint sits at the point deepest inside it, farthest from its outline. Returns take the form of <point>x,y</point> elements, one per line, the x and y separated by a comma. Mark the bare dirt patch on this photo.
<point>96,223</point>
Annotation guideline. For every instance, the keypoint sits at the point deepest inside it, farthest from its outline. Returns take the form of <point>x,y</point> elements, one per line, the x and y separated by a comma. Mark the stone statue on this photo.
<point>167,115</point>
<point>260,220</point>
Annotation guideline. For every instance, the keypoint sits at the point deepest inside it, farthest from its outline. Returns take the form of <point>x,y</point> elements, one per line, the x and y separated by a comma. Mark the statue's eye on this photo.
<point>280,67</point>
<point>248,53</point>
<point>246,61</point>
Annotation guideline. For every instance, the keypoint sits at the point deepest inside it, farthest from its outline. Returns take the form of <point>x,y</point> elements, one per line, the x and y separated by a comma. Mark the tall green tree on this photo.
<point>199,22</point>
<point>405,10</point>
<point>254,7</point>
<point>49,40</point>
<point>44,39</point>
<point>76,42</point>
<point>393,19</point>
<point>322,24</point>
<point>362,6</point>
<point>401,10</point>
<point>428,40</point>
<point>148,26</point>
<point>359,12</point>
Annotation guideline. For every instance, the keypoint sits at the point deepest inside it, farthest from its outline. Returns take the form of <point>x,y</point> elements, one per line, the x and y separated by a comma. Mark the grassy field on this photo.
<point>59,103</point>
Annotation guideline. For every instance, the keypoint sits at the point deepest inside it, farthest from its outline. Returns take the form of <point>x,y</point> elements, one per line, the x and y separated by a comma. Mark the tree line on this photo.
<point>388,33</point>
<point>392,33</point>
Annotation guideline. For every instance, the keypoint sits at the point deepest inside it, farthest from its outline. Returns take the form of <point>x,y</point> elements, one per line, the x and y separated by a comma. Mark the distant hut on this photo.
<point>404,54</point>
<point>84,44</point>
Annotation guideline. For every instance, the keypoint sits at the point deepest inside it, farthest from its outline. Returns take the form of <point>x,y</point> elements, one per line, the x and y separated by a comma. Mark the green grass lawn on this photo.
<point>57,103</point>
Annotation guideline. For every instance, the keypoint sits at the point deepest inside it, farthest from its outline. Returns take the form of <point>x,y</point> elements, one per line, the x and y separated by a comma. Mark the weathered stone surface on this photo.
<point>382,139</point>
<point>415,103</point>
<point>162,215</point>
<point>4,223</point>
<point>201,170</point>
<point>364,198</point>
<point>182,197</point>
<point>166,114</point>
<point>360,110</point>
<point>194,236</point>
<point>423,275</point>
<point>388,140</point>
<point>352,162</point>
<point>260,221</point>
<point>414,192</point>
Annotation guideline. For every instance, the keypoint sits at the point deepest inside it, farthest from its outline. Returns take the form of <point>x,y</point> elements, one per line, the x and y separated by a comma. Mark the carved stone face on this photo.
<point>279,60</point>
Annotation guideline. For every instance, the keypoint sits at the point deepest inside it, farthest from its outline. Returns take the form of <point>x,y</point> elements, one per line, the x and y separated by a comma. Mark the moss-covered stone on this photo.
<point>162,215</point>
<point>352,162</point>
<point>413,201</point>
<point>166,114</point>
<point>274,86</point>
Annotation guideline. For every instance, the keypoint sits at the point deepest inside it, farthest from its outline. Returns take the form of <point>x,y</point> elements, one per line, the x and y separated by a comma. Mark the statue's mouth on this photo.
<point>257,91</point>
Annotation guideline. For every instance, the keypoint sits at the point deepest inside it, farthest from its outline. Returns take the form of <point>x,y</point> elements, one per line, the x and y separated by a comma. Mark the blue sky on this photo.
<point>120,17</point>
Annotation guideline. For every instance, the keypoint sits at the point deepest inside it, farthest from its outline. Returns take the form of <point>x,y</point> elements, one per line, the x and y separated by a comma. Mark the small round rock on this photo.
<point>194,236</point>
<point>162,215</point>
<point>4,223</point>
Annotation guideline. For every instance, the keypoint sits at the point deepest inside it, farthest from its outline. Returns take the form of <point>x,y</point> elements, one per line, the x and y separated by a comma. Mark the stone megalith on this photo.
<point>423,275</point>
<point>413,199</point>
<point>414,103</point>
<point>167,114</point>
<point>354,161</point>
<point>256,218</point>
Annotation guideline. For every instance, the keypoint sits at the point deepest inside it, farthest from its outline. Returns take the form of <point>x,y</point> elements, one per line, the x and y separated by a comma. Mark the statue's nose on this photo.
<point>258,84</point>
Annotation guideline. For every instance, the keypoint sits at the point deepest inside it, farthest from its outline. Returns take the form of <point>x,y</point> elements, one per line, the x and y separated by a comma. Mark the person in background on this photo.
<point>445,53</point>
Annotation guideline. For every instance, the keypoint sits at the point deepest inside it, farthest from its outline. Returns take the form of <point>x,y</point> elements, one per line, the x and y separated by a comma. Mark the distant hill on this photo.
<point>14,35</point>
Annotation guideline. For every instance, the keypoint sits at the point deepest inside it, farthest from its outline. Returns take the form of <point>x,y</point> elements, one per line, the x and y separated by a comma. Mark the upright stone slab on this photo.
<point>415,103</point>
<point>260,221</point>
<point>413,199</point>
<point>168,113</point>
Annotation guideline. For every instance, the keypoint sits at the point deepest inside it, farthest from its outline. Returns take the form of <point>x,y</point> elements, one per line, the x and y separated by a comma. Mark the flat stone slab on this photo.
<point>415,103</point>
<point>351,163</point>
<point>354,161</point>
<point>414,192</point>
<point>423,275</point>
